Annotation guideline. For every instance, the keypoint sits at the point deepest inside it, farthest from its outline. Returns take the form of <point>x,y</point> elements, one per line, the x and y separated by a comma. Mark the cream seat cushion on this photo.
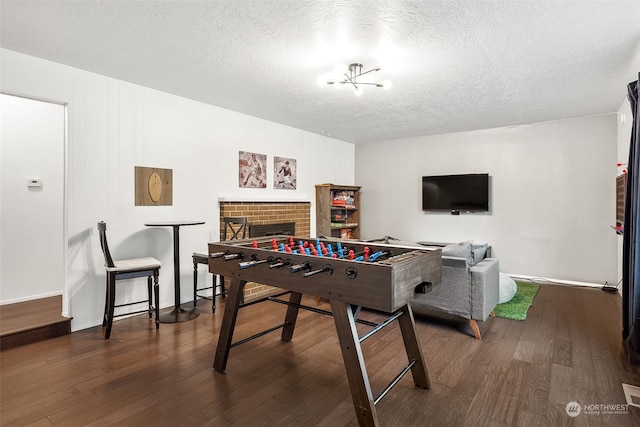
<point>147,263</point>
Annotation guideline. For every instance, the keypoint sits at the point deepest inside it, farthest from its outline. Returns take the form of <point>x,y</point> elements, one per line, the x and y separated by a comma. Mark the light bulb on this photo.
<point>386,85</point>
<point>322,81</point>
<point>358,91</point>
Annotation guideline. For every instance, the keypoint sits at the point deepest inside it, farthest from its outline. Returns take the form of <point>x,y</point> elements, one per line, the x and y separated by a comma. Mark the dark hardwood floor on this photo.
<point>520,374</point>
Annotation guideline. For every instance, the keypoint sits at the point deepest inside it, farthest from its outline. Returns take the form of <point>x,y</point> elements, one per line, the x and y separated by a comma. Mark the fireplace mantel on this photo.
<point>239,199</point>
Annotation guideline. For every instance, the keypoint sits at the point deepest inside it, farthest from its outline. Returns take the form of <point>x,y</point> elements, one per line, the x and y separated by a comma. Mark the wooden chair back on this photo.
<point>235,227</point>
<point>102,230</point>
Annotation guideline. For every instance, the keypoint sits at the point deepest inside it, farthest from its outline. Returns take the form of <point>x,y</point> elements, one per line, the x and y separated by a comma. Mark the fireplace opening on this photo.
<point>262,230</point>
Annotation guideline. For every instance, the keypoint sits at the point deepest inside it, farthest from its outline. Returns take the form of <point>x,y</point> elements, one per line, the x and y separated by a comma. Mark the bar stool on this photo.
<point>127,269</point>
<point>234,228</point>
<point>200,258</point>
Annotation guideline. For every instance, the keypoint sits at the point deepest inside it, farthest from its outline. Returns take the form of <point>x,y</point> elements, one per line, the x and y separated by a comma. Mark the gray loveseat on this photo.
<point>469,286</point>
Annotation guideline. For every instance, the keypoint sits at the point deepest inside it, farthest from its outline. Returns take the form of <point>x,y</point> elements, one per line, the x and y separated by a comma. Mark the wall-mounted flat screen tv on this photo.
<point>456,193</point>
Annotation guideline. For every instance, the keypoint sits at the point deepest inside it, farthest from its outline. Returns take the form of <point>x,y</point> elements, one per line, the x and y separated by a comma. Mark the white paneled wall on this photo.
<point>552,194</point>
<point>115,126</point>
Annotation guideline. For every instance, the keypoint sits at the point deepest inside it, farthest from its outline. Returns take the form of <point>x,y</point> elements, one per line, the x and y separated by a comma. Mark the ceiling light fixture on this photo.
<point>351,78</point>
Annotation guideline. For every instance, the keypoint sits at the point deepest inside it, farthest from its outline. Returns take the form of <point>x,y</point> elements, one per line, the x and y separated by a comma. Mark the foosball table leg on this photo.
<point>236,290</point>
<point>291,316</point>
<point>412,346</point>
<point>354,364</point>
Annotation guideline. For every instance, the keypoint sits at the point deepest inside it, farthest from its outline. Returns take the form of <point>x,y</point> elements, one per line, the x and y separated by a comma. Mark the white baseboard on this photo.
<point>548,281</point>
<point>30,298</point>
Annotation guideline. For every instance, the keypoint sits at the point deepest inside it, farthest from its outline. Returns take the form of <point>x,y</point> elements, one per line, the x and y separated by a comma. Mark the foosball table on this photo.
<point>351,275</point>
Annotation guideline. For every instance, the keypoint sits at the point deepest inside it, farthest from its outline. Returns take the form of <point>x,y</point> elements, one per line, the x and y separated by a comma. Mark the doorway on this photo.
<point>32,174</point>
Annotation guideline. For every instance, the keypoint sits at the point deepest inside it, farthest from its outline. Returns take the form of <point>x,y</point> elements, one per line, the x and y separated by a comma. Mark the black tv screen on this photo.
<point>456,193</point>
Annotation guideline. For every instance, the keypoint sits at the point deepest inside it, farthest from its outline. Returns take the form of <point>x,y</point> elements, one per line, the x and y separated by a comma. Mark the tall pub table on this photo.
<point>178,314</point>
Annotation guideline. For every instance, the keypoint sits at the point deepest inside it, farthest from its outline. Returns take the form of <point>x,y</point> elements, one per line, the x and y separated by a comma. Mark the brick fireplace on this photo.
<point>276,214</point>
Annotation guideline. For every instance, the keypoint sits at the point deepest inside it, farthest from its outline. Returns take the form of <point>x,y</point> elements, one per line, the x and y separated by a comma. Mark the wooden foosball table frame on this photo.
<point>386,284</point>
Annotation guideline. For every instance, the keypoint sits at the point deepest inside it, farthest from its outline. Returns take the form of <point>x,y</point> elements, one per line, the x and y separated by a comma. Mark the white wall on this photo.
<point>31,218</point>
<point>552,194</point>
<point>115,126</point>
<point>624,123</point>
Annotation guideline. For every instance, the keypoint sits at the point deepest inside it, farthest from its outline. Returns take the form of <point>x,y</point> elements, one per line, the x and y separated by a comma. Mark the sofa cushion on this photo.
<point>478,252</point>
<point>470,251</point>
<point>459,250</point>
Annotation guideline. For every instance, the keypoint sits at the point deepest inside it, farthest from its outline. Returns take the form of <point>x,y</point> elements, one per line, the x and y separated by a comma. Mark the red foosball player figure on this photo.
<point>324,249</point>
<point>313,249</point>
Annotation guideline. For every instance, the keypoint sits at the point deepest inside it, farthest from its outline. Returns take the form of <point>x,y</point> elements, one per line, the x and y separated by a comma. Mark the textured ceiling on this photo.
<point>455,65</point>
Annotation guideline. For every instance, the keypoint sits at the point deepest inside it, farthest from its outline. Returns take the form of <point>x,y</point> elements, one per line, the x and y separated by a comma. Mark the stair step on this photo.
<point>30,321</point>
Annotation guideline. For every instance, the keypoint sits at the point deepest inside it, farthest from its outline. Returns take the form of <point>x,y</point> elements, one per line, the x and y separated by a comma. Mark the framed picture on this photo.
<point>284,173</point>
<point>153,186</point>
<point>252,171</point>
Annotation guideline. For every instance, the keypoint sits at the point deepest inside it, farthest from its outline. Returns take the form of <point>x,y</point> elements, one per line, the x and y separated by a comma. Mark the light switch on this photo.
<point>34,182</point>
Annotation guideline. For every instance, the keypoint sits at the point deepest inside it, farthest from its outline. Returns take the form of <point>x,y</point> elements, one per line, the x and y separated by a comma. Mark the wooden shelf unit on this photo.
<point>621,188</point>
<point>338,211</point>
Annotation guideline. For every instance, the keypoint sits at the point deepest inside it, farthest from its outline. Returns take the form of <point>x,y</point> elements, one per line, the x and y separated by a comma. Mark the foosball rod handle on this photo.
<point>253,263</point>
<point>229,257</point>
<point>218,254</point>
<point>299,267</point>
<point>280,263</point>
<point>326,269</point>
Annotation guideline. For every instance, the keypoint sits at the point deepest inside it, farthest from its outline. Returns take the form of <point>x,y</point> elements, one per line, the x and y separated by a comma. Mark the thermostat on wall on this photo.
<point>34,182</point>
